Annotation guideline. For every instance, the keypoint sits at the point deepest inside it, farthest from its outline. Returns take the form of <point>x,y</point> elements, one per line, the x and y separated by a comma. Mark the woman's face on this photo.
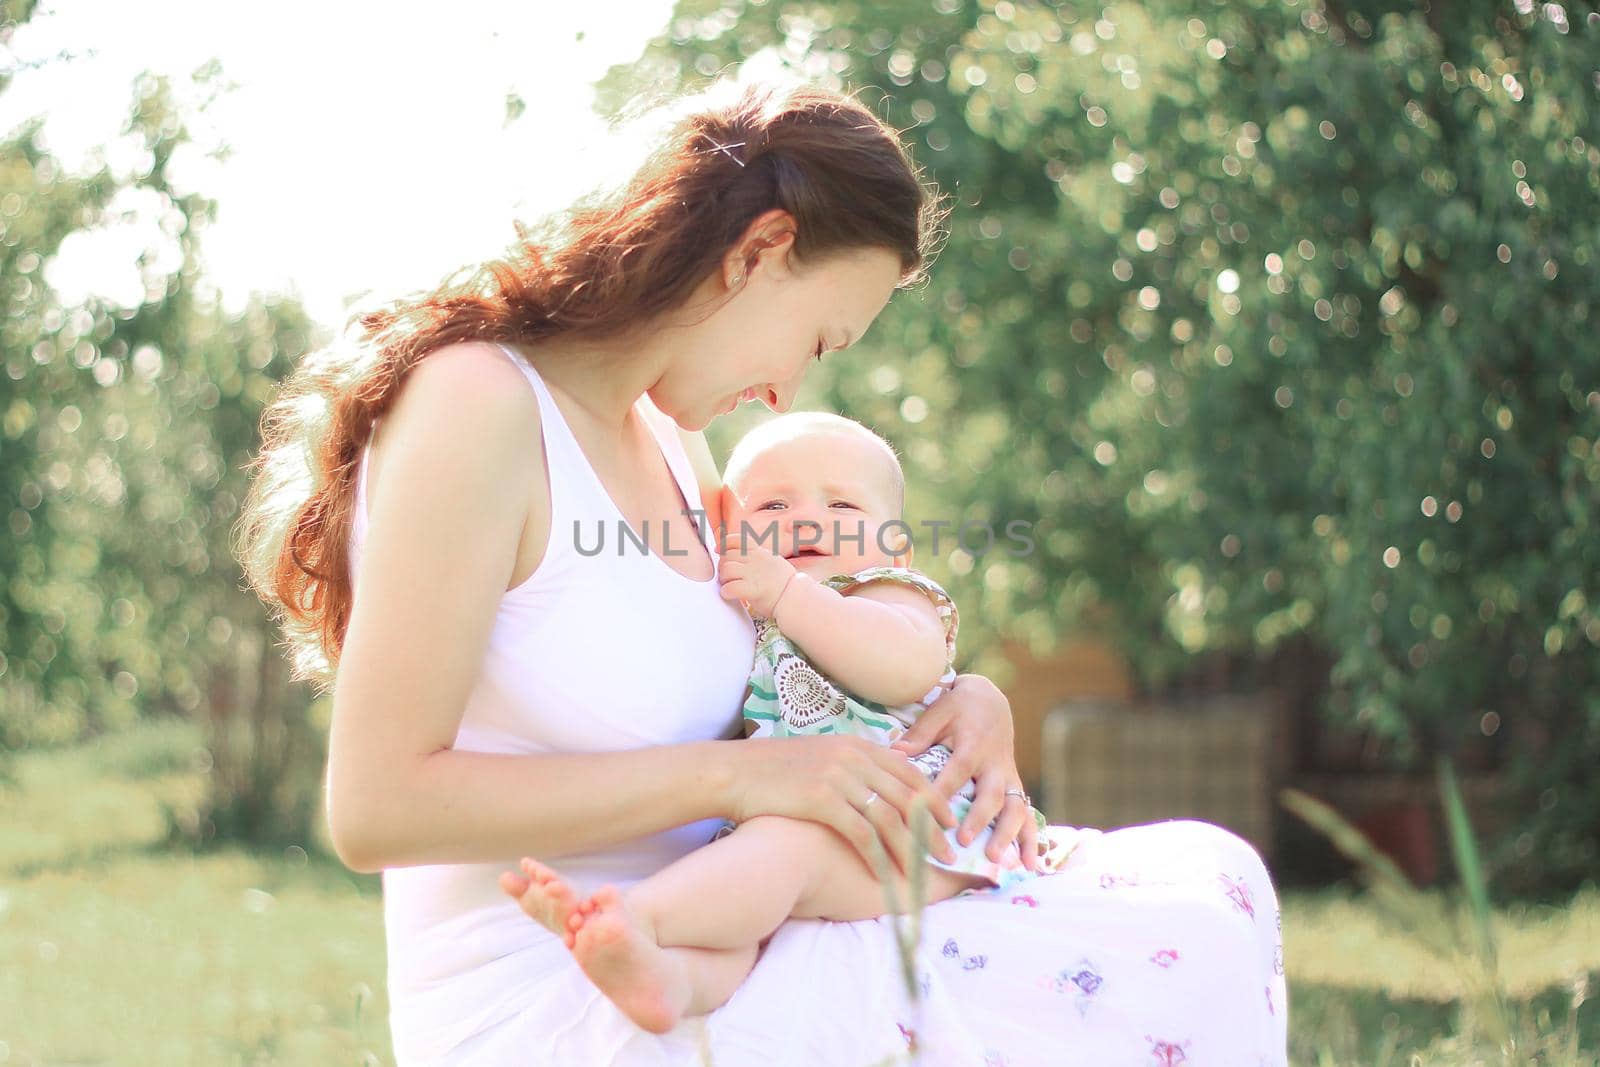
<point>773,320</point>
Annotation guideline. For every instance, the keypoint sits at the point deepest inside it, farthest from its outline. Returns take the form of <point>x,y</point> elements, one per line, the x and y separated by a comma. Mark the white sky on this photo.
<point>368,141</point>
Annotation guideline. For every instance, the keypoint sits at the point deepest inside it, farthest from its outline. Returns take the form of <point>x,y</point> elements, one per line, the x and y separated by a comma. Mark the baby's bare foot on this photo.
<point>545,896</point>
<point>627,965</point>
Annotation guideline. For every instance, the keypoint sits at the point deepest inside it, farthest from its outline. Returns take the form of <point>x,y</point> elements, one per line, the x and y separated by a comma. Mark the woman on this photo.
<point>502,689</point>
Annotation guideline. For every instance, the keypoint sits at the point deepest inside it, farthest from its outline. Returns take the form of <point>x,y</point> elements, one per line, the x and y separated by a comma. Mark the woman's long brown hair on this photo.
<point>603,268</point>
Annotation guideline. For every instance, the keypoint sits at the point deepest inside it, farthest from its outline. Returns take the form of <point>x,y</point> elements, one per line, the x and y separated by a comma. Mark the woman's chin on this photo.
<point>702,420</point>
<point>688,419</point>
<point>693,422</point>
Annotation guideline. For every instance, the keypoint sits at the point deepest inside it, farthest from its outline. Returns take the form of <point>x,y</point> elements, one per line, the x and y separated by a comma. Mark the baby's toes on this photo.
<point>536,871</point>
<point>545,910</point>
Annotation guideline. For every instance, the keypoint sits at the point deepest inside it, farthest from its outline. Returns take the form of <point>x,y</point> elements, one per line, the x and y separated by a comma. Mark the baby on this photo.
<point>849,641</point>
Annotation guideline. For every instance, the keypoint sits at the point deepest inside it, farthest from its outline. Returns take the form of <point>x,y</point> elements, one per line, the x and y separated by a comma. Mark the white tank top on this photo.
<point>593,652</point>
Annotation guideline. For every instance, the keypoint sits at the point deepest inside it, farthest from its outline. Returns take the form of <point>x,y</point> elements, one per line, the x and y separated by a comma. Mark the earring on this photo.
<point>738,279</point>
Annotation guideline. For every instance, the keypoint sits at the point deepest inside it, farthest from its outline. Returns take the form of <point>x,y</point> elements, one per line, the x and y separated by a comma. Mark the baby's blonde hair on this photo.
<point>796,424</point>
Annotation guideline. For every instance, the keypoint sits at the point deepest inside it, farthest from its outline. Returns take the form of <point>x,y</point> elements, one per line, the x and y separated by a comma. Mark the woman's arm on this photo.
<point>447,518</point>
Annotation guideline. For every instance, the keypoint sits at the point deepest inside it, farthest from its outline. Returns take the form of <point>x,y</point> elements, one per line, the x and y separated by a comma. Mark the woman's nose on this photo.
<point>777,399</point>
<point>781,396</point>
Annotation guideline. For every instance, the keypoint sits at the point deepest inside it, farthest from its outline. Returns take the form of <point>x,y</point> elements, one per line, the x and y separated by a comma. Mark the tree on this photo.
<point>124,431</point>
<point>1276,317</point>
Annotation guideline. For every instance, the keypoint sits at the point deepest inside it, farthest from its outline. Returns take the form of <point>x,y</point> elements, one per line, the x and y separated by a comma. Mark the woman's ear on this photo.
<point>767,244</point>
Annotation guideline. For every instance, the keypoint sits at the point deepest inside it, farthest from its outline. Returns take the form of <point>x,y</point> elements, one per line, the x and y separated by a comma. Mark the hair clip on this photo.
<point>723,148</point>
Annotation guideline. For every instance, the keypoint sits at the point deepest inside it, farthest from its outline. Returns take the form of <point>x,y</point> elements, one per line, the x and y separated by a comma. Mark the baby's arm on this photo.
<point>883,642</point>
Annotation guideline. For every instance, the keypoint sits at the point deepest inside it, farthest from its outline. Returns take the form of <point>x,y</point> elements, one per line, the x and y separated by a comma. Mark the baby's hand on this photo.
<point>755,576</point>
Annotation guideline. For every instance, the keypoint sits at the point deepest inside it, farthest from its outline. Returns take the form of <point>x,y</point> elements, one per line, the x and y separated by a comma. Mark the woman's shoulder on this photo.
<point>463,406</point>
<point>476,375</point>
<point>471,387</point>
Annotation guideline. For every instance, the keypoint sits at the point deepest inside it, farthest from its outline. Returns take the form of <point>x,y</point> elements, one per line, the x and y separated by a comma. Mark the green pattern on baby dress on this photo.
<point>790,697</point>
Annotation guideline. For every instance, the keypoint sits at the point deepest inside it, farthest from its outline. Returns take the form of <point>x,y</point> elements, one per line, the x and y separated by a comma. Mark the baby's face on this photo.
<point>821,501</point>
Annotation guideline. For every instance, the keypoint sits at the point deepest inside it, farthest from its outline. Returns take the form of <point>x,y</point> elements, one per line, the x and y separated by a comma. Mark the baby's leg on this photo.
<point>740,888</point>
<point>653,986</point>
<point>734,891</point>
<point>681,941</point>
<point>849,891</point>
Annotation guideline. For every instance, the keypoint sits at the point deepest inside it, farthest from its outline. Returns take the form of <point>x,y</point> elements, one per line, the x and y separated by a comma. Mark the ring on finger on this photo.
<point>1019,794</point>
<point>870,798</point>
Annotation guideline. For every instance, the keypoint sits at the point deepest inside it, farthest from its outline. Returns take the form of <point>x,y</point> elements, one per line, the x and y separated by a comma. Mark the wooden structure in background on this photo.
<point>1079,670</point>
<point>1094,753</point>
<point>1109,765</point>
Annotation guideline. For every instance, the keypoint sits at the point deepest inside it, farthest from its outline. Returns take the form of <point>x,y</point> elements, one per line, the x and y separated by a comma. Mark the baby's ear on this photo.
<point>896,538</point>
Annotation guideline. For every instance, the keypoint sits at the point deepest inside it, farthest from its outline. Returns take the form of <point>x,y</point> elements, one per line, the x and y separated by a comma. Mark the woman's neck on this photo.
<point>603,378</point>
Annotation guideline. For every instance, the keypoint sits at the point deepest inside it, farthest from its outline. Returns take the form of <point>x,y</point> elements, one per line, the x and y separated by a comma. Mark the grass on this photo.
<point>1494,1021</point>
<point>118,952</point>
<point>1363,993</point>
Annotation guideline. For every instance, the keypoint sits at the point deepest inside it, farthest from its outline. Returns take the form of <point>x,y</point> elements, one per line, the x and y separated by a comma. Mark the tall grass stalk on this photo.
<point>1492,1008</point>
<point>907,923</point>
<point>1491,1028</point>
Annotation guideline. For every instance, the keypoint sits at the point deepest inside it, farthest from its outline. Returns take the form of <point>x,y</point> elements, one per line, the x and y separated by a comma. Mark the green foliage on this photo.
<point>124,432</point>
<point>1276,318</point>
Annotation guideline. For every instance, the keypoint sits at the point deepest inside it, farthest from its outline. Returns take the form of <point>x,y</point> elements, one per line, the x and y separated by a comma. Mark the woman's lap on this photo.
<point>1155,944</point>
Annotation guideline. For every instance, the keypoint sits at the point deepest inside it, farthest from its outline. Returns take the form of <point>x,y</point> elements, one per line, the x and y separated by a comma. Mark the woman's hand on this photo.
<point>860,789</point>
<point>973,720</point>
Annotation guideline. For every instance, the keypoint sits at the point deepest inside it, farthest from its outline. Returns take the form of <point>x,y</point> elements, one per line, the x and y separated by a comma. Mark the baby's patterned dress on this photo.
<point>789,696</point>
